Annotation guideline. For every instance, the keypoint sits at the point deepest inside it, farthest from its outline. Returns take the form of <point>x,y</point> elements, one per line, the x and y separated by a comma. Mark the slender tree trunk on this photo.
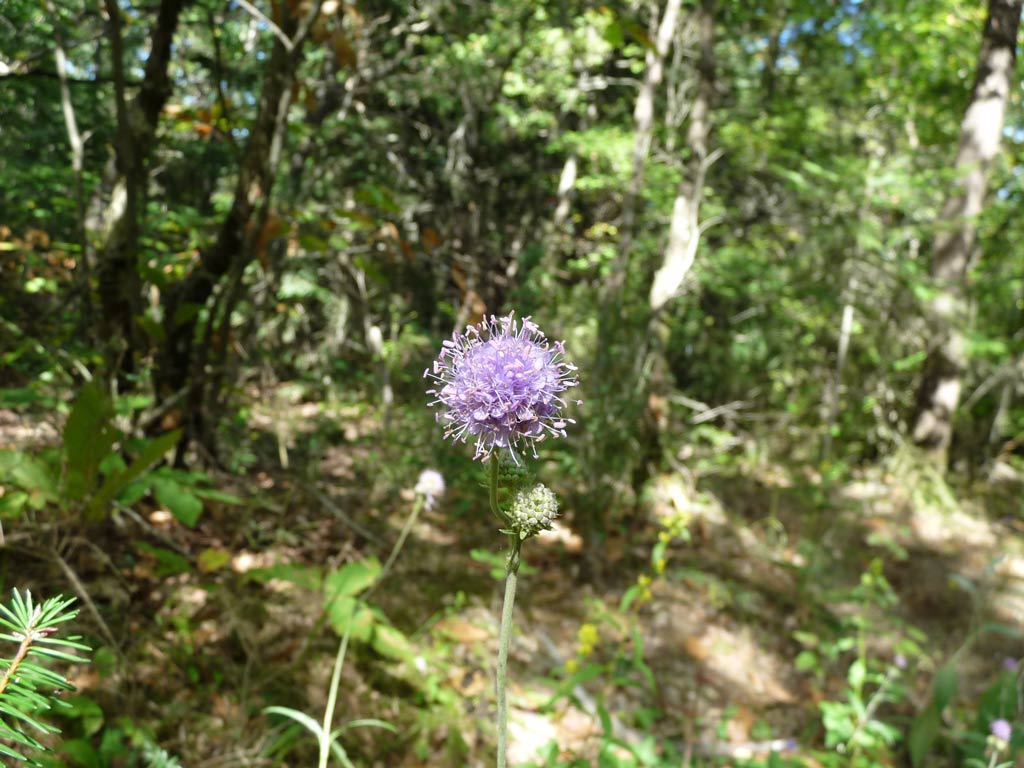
<point>684,231</point>
<point>566,184</point>
<point>834,387</point>
<point>234,248</point>
<point>120,288</point>
<point>76,143</point>
<point>939,392</point>
<point>643,118</point>
<point>621,399</point>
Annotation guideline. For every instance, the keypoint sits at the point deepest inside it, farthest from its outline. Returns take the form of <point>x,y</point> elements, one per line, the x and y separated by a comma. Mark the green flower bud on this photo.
<point>533,510</point>
<point>512,475</point>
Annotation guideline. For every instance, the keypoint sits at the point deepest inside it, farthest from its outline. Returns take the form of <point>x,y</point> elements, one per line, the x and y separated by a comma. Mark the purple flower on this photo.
<point>430,484</point>
<point>900,661</point>
<point>501,383</point>
<point>1001,729</point>
<point>1010,664</point>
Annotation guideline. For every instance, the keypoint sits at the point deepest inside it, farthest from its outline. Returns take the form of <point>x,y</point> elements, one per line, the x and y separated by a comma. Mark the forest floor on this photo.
<point>727,652</point>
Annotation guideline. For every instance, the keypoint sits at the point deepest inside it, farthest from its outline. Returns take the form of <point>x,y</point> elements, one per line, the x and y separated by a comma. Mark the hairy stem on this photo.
<point>504,640</point>
<point>505,633</point>
<point>493,484</point>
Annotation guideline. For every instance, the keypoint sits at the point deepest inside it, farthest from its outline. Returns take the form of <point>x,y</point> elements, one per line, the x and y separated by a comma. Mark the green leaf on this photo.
<point>133,492</point>
<point>339,752</point>
<point>213,494</point>
<point>391,643</point>
<point>348,614</point>
<point>183,504</point>
<point>87,712</point>
<point>945,685</point>
<point>105,661</point>
<point>212,559</point>
<point>301,718</point>
<point>81,753</point>
<point>352,578</point>
<point>806,661</point>
<point>923,731</point>
<point>12,503</point>
<point>88,437</point>
<point>613,34</point>
<point>996,628</point>
<point>857,674</point>
<point>367,722</point>
<point>169,563</point>
<point>304,576</point>
<point>151,453</point>
<point>30,474</point>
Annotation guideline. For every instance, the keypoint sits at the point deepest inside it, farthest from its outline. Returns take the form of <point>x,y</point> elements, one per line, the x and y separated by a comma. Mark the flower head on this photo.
<point>1010,664</point>
<point>430,485</point>
<point>533,511</point>
<point>1001,729</point>
<point>501,382</point>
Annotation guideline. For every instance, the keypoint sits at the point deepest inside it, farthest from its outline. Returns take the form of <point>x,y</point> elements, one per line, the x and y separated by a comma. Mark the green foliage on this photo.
<point>444,160</point>
<point>89,470</point>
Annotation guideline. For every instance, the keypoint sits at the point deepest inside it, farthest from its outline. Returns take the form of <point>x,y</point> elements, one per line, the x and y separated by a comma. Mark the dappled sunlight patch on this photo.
<point>20,431</point>
<point>737,660</point>
<point>561,534</point>
<point>568,727</point>
<point>951,530</point>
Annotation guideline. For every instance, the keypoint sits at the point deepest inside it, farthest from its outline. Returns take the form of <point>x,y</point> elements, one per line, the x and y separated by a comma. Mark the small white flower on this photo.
<point>430,485</point>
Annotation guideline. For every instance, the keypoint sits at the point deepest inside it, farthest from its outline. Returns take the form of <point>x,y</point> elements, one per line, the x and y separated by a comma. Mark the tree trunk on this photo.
<point>76,143</point>
<point>684,231</point>
<point>234,247</point>
<point>939,392</point>
<point>643,118</point>
<point>120,288</point>
<point>833,388</point>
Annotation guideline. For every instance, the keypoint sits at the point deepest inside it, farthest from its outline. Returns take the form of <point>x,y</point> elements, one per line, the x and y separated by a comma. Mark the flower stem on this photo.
<point>504,640</point>
<point>332,696</point>
<point>339,659</point>
<point>505,633</point>
<point>493,484</point>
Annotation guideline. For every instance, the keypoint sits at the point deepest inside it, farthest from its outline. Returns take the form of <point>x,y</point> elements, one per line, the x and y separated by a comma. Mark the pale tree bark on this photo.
<point>685,228</point>
<point>832,396</point>
<point>120,288</point>
<point>566,184</point>
<point>76,144</point>
<point>939,392</point>
<point>180,363</point>
<point>611,326</point>
<point>833,389</point>
<point>643,119</point>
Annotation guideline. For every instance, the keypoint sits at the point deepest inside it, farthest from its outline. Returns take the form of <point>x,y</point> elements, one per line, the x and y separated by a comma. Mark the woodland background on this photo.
<point>781,240</point>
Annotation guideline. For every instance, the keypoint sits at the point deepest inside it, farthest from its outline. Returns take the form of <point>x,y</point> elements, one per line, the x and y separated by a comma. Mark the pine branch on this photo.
<point>27,688</point>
